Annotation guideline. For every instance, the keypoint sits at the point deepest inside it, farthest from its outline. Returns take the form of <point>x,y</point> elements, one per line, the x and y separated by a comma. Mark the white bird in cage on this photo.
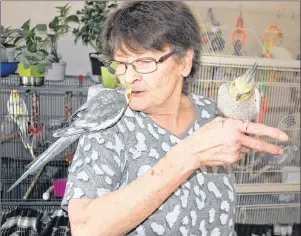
<point>240,99</point>
<point>98,113</point>
<point>19,114</point>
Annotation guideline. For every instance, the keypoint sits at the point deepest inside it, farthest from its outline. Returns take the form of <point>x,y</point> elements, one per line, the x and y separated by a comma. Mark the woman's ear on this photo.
<point>187,62</point>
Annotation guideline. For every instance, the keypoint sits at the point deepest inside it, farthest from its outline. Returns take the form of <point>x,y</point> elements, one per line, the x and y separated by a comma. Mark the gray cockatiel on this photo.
<point>100,112</point>
<point>240,99</point>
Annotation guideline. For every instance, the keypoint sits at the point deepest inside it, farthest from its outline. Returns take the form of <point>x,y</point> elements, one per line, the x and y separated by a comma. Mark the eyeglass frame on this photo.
<point>160,60</point>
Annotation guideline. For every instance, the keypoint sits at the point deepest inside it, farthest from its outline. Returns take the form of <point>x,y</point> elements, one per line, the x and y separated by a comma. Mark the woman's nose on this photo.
<point>131,75</point>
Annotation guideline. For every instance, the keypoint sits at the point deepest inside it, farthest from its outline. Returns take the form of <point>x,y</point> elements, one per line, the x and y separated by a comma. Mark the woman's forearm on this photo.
<point>120,211</point>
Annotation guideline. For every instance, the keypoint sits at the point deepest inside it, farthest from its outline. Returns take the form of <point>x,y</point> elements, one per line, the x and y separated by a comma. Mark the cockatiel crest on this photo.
<point>240,99</point>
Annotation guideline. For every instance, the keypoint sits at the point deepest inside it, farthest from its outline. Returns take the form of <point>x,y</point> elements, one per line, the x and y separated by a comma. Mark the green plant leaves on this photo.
<point>53,23</point>
<point>24,60</point>
<point>92,17</point>
<point>17,39</point>
<point>44,52</point>
<point>40,68</point>
<point>72,18</point>
<point>41,27</point>
<point>26,25</point>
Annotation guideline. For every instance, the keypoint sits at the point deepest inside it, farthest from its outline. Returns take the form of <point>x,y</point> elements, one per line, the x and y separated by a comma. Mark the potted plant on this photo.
<point>58,27</point>
<point>92,19</point>
<point>7,68</point>
<point>9,40</point>
<point>33,56</point>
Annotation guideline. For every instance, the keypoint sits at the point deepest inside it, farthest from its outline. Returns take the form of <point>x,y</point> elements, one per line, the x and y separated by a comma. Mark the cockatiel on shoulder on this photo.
<point>99,113</point>
<point>240,99</point>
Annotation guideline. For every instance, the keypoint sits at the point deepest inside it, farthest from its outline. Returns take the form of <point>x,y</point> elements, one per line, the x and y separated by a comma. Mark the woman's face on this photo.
<point>153,90</point>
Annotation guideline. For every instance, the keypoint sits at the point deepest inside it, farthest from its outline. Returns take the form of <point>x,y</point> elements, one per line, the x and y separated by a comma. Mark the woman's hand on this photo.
<point>222,141</point>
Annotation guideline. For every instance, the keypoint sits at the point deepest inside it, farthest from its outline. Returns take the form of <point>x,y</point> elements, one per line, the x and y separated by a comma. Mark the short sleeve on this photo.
<point>96,167</point>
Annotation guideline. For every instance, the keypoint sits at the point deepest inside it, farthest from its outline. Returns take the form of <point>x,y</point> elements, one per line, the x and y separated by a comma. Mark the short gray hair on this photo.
<point>152,25</point>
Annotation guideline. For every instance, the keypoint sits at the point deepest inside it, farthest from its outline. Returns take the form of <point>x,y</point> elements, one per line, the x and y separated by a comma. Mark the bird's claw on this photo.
<point>219,113</point>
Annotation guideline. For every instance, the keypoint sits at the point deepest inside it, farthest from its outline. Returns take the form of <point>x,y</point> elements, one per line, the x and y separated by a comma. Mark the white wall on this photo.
<point>15,13</point>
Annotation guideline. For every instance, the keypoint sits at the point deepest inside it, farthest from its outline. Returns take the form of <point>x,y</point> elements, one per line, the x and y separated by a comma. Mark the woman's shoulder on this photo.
<point>200,100</point>
<point>206,106</point>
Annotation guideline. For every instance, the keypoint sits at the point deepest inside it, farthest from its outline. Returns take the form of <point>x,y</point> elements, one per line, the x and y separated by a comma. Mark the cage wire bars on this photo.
<point>268,186</point>
<point>49,107</point>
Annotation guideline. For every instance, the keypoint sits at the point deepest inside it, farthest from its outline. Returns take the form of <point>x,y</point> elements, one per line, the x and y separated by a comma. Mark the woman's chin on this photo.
<point>138,103</point>
<point>136,106</point>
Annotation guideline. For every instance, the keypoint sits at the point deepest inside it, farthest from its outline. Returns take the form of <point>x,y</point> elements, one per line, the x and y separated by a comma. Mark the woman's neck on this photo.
<point>177,114</point>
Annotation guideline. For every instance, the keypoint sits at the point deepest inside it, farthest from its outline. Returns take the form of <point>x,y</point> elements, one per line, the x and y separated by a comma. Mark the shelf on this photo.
<point>70,83</point>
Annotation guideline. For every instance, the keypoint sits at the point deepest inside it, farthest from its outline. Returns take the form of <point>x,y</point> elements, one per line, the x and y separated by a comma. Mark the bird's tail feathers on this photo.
<point>32,153</point>
<point>66,132</point>
<point>19,180</point>
<point>50,153</point>
<point>24,135</point>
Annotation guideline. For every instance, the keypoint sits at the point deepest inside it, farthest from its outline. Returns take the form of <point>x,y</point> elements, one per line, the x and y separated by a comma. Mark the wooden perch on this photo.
<point>9,137</point>
<point>33,183</point>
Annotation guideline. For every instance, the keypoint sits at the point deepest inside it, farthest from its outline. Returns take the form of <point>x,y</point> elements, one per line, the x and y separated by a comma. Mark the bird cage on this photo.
<point>245,33</point>
<point>49,107</point>
<point>268,186</point>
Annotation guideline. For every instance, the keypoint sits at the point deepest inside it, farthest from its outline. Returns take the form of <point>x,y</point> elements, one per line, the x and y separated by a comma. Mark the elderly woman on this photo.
<point>162,169</point>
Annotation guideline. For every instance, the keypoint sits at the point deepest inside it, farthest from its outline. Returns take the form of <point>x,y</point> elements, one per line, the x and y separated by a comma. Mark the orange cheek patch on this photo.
<point>129,95</point>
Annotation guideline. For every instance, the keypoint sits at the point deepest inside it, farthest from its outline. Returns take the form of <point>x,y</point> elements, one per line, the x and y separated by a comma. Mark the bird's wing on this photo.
<point>223,89</point>
<point>103,111</point>
<point>100,112</point>
<point>23,108</point>
<point>17,111</point>
<point>94,91</point>
<point>257,99</point>
<point>19,114</point>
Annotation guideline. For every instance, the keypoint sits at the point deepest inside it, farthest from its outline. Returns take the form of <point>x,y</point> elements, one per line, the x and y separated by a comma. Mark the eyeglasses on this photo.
<point>141,65</point>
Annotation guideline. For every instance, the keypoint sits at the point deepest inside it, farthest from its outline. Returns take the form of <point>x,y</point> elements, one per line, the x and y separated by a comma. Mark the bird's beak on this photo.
<point>128,95</point>
<point>238,96</point>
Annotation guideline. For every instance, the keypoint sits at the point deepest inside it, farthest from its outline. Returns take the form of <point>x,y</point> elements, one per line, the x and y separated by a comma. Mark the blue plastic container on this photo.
<point>8,68</point>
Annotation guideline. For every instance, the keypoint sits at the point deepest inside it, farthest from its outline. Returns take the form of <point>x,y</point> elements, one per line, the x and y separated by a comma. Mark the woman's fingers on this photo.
<point>260,145</point>
<point>262,130</point>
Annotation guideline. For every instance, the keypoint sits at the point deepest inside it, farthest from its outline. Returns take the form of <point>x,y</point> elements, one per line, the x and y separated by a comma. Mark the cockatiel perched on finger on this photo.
<point>19,114</point>
<point>240,99</point>
<point>98,113</point>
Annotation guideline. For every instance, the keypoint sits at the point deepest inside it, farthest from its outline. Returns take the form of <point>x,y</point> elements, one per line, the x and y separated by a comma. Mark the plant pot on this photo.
<point>56,72</point>
<point>30,76</point>
<point>8,68</point>
<point>10,52</point>
<point>108,79</point>
<point>31,81</point>
<point>31,71</point>
<point>95,63</point>
<point>95,78</point>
